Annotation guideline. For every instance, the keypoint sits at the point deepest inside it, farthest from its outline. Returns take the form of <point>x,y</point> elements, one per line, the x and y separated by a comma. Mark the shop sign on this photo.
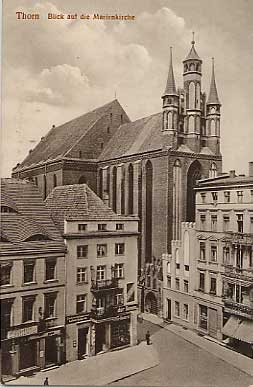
<point>77,318</point>
<point>124,317</point>
<point>20,332</point>
<point>132,307</point>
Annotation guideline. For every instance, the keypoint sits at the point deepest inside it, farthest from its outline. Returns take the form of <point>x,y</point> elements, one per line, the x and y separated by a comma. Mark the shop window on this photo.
<point>119,248</point>
<point>202,247</point>
<point>227,196</point>
<point>185,311</point>
<point>102,227</point>
<point>120,334</point>
<point>81,275</point>
<point>49,308</point>
<point>214,223</point>
<point>130,292</point>
<point>213,286</point>
<point>81,303</point>
<point>213,253</point>
<point>82,251</point>
<point>240,222</point>
<point>101,250</point>
<point>119,270</point>
<point>119,226</point>
<point>29,271</point>
<point>82,227</point>
<point>28,308</point>
<point>177,309</point>
<point>203,317</point>
<point>186,286</point>
<point>101,272</point>
<point>5,273</point>
<point>226,221</point>
<point>50,269</point>
<point>177,282</point>
<point>201,282</point>
<point>239,196</point>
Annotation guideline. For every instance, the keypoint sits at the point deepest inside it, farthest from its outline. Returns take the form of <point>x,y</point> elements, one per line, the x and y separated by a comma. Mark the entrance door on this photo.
<point>50,351</point>
<point>100,337</point>
<point>212,322</point>
<point>82,342</point>
<point>168,308</point>
<point>27,351</point>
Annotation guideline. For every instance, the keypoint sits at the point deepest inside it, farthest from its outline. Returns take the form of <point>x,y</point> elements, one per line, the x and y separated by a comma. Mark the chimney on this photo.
<point>232,173</point>
<point>251,169</point>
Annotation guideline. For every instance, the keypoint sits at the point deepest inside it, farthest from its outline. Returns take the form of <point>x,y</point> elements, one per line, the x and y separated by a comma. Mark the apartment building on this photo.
<point>101,271</point>
<point>32,282</point>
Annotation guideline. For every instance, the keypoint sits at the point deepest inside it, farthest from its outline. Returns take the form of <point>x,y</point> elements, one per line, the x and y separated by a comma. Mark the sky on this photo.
<point>56,70</point>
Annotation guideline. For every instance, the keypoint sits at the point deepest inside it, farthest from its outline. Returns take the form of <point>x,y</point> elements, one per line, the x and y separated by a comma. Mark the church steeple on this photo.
<point>193,53</point>
<point>170,85</point>
<point>213,98</point>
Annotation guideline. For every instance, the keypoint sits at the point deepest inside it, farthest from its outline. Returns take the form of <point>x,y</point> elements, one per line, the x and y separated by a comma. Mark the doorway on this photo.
<point>50,351</point>
<point>100,338</point>
<point>82,342</point>
<point>27,354</point>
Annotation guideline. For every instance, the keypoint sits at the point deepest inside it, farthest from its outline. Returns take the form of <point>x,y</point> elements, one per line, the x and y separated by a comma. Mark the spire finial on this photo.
<point>115,94</point>
<point>171,54</point>
<point>193,41</point>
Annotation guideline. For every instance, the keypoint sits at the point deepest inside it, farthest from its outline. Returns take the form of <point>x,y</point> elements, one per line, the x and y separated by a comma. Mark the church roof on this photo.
<point>59,140</point>
<point>171,85</point>
<point>143,135</point>
<point>213,94</point>
<point>193,53</point>
<point>77,202</point>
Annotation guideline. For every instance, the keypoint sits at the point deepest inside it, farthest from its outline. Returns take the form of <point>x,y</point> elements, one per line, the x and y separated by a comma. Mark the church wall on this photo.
<point>72,176</point>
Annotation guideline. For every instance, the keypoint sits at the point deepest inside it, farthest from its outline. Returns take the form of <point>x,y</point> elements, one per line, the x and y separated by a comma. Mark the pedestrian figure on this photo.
<point>46,382</point>
<point>148,337</point>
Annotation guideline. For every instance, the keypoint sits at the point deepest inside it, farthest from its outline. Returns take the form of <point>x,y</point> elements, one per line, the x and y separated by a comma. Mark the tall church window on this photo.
<point>177,192</point>
<point>44,187</point>
<point>100,177</point>
<point>213,170</point>
<point>54,180</point>
<point>194,174</point>
<point>198,96</point>
<point>198,125</point>
<point>212,128</point>
<point>130,189</point>
<point>149,210</point>
<point>191,123</point>
<point>82,180</point>
<point>175,120</point>
<point>191,95</point>
<point>170,124</point>
<point>122,190</point>
<point>114,189</point>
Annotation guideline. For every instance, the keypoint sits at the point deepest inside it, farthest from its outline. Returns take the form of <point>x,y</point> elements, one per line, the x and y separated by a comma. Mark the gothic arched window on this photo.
<point>149,211</point>
<point>170,124</point>
<point>44,187</point>
<point>213,170</point>
<point>191,124</point>
<point>198,96</point>
<point>212,128</point>
<point>54,180</point>
<point>194,173</point>
<point>177,195</point>
<point>114,189</point>
<point>122,190</point>
<point>130,189</point>
<point>100,182</point>
<point>191,95</point>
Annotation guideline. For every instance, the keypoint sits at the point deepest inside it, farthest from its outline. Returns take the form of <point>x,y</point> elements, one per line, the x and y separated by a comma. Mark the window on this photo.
<point>186,311</point>
<point>186,267</point>
<point>186,286</point>
<point>154,283</point>
<point>202,222</point>
<point>213,222</point>
<point>82,251</point>
<point>130,292</point>
<point>119,299</point>
<point>36,180</point>
<point>240,222</point>
<point>203,197</point>
<point>119,226</point>
<point>82,227</point>
<point>169,281</point>
<point>177,266</point>
<point>119,248</point>
<point>213,253</point>
<point>148,281</point>
<point>202,251</point>
<point>201,282</point>
<point>28,308</point>
<point>50,269</point>
<point>49,307</point>
<point>227,196</point>
<point>108,129</point>
<point>226,255</point>
<point>29,271</point>
<point>240,196</point>
<point>226,220</point>
<point>81,303</point>
<point>203,317</point>
<point>119,270</point>
<point>81,275</point>
<point>213,285</point>
<point>101,251</point>
<point>177,282</point>
<point>251,225</point>
<point>6,308</point>
<point>101,272</point>
<point>5,273</point>
<point>215,196</point>
<point>102,227</point>
<point>177,309</point>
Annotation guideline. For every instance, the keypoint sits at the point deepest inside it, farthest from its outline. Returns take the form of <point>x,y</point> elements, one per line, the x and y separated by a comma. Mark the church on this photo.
<point>147,167</point>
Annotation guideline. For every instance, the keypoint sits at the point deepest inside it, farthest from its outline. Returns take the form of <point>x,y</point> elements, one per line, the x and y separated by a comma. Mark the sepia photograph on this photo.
<point>126,251</point>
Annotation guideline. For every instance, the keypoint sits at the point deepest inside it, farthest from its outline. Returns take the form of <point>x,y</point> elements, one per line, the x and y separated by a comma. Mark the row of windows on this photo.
<point>82,250</point>
<point>213,283</point>
<point>100,227</point>
<point>226,224</point>
<point>184,313</point>
<point>186,267</point>
<point>177,284</point>
<point>82,273</point>
<point>226,196</point>
<point>28,271</point>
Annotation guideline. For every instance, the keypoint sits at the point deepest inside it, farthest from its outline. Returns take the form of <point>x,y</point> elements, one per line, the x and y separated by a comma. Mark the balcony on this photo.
<point>101,285</point>
<point>238,309</point>
<point>100,313</point>
<point>238,273</point>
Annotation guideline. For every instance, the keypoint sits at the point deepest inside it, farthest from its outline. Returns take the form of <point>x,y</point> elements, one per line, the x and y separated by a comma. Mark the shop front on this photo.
<point>78,336</point>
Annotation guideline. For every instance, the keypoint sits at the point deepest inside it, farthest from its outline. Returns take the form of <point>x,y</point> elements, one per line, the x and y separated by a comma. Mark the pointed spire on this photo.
<point>213,94</point>
<point>171,85</point>
<point>193,53</point>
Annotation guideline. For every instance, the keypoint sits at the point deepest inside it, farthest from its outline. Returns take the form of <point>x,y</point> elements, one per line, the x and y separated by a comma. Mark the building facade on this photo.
<point>32,284</point>
<point>147,167</point>
<point>101,271</point>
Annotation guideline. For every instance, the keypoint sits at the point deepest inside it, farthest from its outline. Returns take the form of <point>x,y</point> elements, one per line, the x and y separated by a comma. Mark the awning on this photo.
<point>239,329</point>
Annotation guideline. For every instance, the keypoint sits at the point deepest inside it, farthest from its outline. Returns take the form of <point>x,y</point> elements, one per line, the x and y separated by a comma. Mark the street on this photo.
<point>183,364</point>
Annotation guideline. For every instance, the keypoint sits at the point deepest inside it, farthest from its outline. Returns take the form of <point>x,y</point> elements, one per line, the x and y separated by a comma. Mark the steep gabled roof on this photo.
<point>213,94</point>
<point>77,202</point>
<point>170,85</point>
<point>31,219</point>
<point>143,135</point>
<point>61,139</point>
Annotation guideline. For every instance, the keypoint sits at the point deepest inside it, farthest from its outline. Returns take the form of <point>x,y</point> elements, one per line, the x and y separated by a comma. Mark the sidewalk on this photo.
<point>97,370</point>
<point>237,360</point>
